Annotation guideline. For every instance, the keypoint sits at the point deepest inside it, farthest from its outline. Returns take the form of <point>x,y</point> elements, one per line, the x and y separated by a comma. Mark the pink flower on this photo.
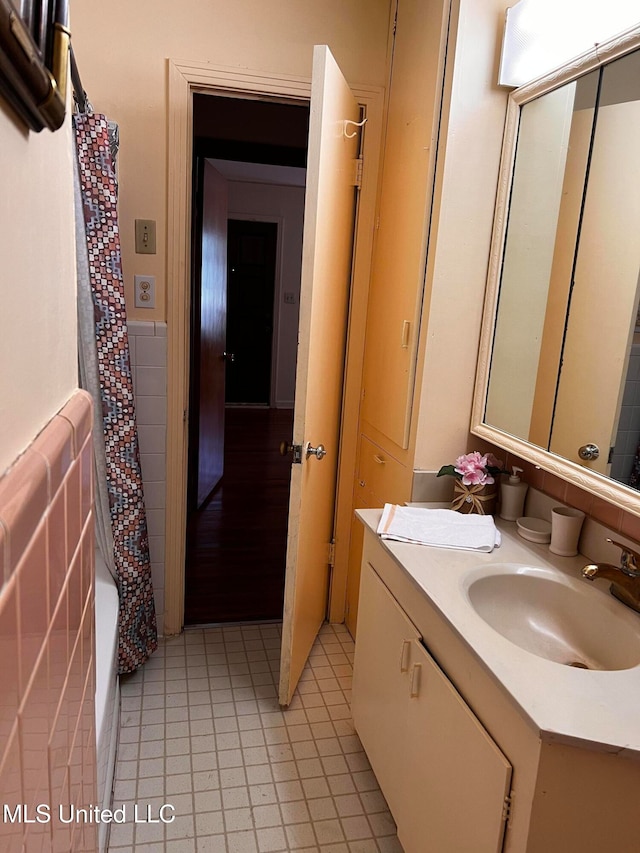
<point>494,462</point>
<point>473,468</point>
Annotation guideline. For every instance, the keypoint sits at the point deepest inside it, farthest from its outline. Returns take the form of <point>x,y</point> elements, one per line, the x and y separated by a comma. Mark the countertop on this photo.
<point>590,708</point>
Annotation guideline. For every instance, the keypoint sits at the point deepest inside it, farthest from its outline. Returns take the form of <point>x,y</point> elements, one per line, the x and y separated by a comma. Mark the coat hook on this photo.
<point>353,124</point>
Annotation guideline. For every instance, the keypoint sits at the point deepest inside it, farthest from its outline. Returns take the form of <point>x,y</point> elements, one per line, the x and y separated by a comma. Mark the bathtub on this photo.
<point>107,686</point>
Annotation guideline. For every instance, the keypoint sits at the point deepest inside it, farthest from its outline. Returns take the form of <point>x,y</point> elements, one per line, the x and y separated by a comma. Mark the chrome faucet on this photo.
<point>625,578</point>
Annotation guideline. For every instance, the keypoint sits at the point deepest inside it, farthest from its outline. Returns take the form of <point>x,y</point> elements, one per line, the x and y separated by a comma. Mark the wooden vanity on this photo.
<point>480,746</point>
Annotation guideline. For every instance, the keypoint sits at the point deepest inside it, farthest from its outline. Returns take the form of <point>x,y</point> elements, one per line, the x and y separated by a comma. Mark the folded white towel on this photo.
<point>444,528</point>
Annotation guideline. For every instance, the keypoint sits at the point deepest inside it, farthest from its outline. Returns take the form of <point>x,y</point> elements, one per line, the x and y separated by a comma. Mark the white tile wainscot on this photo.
<point>148,346</point>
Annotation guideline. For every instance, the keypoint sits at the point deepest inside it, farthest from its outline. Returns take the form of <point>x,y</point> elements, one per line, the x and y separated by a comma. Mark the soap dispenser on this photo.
<point>512,494</point>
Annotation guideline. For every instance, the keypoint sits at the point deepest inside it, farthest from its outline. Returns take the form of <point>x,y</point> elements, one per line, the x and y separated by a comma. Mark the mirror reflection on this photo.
<point>565,365</point>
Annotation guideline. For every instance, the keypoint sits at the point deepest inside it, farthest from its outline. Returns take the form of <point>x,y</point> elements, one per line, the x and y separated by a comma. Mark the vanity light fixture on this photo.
<point>543,34</point>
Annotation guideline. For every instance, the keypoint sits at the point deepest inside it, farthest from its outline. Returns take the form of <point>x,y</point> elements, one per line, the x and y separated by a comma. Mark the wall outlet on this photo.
<point>145,291</point>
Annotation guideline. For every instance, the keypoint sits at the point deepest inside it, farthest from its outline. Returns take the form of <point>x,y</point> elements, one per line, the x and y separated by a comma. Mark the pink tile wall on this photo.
<point>600,510</point>
<point>47,668</point>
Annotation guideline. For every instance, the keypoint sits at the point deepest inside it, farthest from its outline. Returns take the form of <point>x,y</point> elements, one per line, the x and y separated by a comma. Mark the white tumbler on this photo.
<point>566,524</point>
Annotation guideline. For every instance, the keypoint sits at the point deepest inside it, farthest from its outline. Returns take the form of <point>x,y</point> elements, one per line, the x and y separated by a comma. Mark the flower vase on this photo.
<point>478,499</point>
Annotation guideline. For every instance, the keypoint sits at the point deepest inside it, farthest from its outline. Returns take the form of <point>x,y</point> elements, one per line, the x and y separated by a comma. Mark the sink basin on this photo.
<point>557,617</point>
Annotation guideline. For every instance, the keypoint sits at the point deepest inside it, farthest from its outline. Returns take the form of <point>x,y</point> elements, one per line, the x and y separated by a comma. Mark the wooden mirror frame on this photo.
<point>34,61</point>
<point>597,484</point>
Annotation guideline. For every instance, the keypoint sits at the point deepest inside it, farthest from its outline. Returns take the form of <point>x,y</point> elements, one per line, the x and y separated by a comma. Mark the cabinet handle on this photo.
<point>379,459</point>
<point>416,670</point>
<point>406,327</point>
<point>404,655</point>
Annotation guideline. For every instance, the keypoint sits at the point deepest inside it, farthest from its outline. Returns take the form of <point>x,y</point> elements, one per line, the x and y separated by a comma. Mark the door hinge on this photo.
<point>507,807</point>
<point>332,553</point>
<point>357,172</point>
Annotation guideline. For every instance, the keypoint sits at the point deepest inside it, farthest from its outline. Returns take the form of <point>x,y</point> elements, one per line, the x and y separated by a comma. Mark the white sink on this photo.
<point>555,616</point>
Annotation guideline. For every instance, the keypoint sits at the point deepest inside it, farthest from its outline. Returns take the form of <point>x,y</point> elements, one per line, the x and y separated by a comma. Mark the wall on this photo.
<point>38,281</point>
<point>47,719</point>
<point>46,537</point>
<point>122,48</point>
<point>598,510</point>
<point>148,349</point>
<point>461,235</point>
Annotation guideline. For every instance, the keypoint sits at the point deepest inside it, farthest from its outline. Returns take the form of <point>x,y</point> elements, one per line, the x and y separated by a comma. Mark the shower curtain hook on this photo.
<point>347,122</point>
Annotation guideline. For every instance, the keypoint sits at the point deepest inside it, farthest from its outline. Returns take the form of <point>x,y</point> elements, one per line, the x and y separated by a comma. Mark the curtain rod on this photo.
<point>79,94</point>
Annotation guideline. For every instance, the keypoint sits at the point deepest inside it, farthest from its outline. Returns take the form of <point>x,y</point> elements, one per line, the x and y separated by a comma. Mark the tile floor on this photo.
<point>202,730</point>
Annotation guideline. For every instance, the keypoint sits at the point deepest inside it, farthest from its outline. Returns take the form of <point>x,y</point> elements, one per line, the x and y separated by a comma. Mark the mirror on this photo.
<point>559,355</point>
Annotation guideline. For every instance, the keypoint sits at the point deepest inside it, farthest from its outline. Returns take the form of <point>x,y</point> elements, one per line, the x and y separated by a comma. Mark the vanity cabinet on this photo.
<point>477,745</point>
<point>446,782</point>
<point>381,685</point>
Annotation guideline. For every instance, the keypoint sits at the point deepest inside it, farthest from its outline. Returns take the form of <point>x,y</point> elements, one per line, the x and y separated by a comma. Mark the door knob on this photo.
<point>589,452</point>
<point>318,451</point>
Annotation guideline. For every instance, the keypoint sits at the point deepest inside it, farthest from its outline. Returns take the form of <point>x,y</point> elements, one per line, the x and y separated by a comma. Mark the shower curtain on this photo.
<point>106,374</point>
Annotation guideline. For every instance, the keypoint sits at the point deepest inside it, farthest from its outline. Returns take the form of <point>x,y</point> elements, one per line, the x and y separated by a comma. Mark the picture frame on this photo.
<point>34,60</point>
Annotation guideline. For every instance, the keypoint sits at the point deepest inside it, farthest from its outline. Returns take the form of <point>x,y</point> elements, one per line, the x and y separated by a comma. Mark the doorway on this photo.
<point>186,80</point>
<point>251,278</point>
<point>236,541</point>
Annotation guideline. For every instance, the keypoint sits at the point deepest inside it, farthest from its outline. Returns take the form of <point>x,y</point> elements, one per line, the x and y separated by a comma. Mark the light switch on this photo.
<point>145,290</point>
<point>289,298</point>
<point>145,236</point>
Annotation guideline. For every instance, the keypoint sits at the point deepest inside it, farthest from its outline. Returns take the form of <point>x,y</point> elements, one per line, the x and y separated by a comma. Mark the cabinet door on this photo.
<point>384,479</point>
<point>456,778</point>
<point>400,248</point>
<point>384,640</point>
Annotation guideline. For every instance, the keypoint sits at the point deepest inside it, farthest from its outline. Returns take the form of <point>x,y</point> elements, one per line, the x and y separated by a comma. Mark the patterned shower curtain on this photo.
<point>137,622</point>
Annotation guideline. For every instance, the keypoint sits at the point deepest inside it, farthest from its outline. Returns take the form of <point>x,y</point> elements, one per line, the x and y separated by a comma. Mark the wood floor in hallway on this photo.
<point>236,543</point>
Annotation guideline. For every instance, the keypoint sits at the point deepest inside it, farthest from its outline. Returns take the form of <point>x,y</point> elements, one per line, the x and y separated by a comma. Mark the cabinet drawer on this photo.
<point>381,476</point>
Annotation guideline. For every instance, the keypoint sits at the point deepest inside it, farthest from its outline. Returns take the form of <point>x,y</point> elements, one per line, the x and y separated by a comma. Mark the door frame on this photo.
<point>184,79</point>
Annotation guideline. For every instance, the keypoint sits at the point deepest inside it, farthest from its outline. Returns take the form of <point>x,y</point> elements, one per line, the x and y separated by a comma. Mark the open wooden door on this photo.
<point>211,328</point>
<point>327,252</point>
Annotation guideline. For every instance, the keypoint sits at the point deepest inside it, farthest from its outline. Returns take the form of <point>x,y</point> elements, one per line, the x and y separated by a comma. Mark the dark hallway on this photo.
<point>236,544</point>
